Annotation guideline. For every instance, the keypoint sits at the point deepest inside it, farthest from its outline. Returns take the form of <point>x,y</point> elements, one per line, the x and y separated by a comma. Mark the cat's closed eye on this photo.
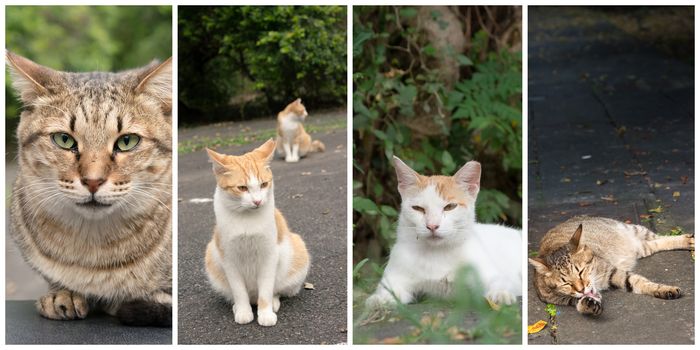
<point>264,184</point>
<point>418,208</point>
<point>243,188</point>
<point>450,206</point>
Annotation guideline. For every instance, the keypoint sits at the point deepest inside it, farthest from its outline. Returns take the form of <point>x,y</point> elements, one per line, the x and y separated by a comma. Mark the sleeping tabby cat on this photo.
<point>91,203</point>
<point>586,255</point>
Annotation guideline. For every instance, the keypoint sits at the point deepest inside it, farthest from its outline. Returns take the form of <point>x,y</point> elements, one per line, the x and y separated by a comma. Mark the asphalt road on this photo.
<point>312,195</point>
<point>610,134</point>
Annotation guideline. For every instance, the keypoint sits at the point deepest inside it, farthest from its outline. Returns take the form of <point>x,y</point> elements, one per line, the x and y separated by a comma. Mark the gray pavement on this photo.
<point>25,326</point>
<point>312,194</point>
<point>610,134</point>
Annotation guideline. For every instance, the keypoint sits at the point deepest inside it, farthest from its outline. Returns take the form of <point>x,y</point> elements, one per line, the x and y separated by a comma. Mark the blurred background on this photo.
<point>242,62</point>
<point>73,38</point>
<point>437,86</point>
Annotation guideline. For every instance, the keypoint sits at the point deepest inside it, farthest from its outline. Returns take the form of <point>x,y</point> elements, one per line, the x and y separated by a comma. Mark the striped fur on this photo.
<point>112,247</point>
<point>586,255</point>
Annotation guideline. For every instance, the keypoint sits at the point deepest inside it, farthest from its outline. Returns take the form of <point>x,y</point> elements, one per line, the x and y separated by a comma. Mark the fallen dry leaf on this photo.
<point>676,195</point>
<point>493,305</point>
<point>584,204</point>
<point>566,179</point>
<point>391,340</point>
<point>658,209</point>
<point>635,173</point>
<point>305,173</point>
<point>609,198</point>
<point>308,286</point>
<point>684,179</point>
<point>536,327</point>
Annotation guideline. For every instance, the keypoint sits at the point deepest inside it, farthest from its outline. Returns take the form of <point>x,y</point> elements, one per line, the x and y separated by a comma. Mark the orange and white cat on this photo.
<point>292,140</point>
<point>252,258</point>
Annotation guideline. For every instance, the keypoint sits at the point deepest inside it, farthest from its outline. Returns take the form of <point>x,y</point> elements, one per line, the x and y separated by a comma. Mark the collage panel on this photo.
<point>88,175</point>
<point>611,175</point>
<point>262,175</point>
<point>437,175</point>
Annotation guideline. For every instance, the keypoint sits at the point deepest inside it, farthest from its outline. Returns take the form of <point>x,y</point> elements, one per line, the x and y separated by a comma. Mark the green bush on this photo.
<point>395,87</point>
<point>279,52</point>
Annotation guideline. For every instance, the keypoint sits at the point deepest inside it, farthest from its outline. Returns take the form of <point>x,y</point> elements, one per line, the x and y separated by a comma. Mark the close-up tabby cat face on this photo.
<point>246,179</point>
<point>438,208</point>
<point>567,270</point>
<point>94,144</point>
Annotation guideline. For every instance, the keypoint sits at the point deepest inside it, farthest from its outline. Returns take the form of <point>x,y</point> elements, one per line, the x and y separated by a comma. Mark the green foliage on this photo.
<point>87,38</point>
<point>402,106</point>
<point>551,309</point>
<point>279,52</point>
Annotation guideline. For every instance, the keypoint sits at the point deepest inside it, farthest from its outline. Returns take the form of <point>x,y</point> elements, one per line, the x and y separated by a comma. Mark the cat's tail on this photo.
<point>145,313</point>
<point>317,146</point>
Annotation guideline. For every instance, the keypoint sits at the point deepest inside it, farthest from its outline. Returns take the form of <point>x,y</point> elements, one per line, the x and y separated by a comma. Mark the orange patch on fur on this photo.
<point>217,242</point>
<point>213,268</point>
<point>300,258</point>
<point>281,223</point>
<point>262,303</point>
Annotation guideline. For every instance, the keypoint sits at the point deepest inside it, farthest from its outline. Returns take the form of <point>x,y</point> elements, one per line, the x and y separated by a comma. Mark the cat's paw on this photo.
<point>668,292</point>
<point>589,306</point>
<point>691,241</point>
<point>275,303</point>
<point>63,305</point>
<point>380,301</point>
<point>267,318</point>
<point>243,314</point>
<point>501,297</point>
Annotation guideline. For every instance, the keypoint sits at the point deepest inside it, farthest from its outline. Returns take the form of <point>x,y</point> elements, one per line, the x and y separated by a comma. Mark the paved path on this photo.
<point>25,326</point>
<point>312,194</point>
<point>610,134</point>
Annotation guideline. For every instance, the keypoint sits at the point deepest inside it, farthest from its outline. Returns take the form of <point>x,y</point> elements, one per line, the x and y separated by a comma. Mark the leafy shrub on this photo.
<point>279,52</point>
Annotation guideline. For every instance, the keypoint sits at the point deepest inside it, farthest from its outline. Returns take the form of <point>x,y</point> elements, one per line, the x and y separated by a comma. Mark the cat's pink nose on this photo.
<point>92,184</point>
<point>257,203</point>
<point>432,228</point>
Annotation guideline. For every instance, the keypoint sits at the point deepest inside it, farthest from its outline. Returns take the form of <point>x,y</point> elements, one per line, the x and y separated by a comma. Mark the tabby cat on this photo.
<point>252,257</point>
<point>292,140</point>
<point>437,234</point>
<point>586,255</point>
<point>91,205</point>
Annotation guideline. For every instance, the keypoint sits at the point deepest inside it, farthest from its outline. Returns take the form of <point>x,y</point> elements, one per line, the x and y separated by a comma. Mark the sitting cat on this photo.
<point>292,140</point>
<point>252,258</point>
<point>91,203</point>
<point>573,268</point>
<point>437,234</point>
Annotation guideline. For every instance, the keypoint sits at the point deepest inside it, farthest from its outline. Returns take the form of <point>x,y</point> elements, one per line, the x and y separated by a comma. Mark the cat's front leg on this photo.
<point>288,157</point>
<point>63,304</point>
<point>295,152</point>
<point>266,284</point>
<point>589,306</point>
<point>387,295</point>
<point>242,311</point>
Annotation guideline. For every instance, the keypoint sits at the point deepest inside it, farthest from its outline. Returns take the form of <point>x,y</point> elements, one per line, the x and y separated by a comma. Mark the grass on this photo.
<point>468,318</point>
<point>244,138</point>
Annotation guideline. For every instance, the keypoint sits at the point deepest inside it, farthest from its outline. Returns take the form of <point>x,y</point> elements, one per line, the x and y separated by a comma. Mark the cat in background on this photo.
<point>252,258</point>
<point>91,204</point>
<point>292,140</point>
<point>438,233</point>
<point>584,255</point>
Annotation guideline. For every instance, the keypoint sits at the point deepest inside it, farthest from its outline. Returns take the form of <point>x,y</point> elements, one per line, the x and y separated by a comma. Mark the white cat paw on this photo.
<point>267,318</point>
<point>243,315</point>
<point>275,303</point>
<point>501,297</point>
<point>379,301</point>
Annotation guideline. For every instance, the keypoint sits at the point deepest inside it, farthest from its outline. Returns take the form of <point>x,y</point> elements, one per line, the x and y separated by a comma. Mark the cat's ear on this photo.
<point>218,160</point>
<point>298,100</point>
<point>157,80</point>
<point>266,151</point>
<point>469,177</point>
<point>540,266</point>
<point>575,241</point>
<point>31,80</point>
<point>406,176</point>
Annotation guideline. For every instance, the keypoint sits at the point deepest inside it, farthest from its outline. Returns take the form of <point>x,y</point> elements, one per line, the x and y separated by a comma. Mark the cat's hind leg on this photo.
<point>279,148</point>
<point>62,304</point>
<point>662,243</point>
<point>215,272</point>
<point>639,284</point>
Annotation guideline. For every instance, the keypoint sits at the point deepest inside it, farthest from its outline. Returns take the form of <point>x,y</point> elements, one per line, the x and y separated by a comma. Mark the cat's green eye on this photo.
<point>243,188</point>
<point>417,208</point>
<point>127,142</point>
<point>450,206</point>
<point>63,140</point>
